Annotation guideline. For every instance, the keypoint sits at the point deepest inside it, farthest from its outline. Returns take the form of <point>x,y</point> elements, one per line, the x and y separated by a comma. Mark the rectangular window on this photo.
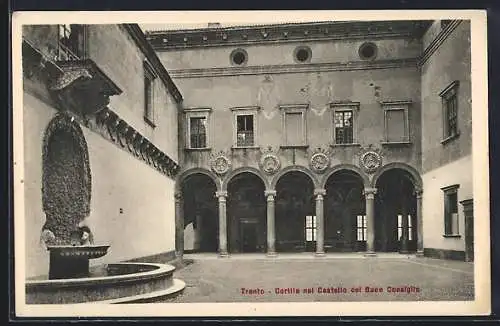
<point>149,77</point>
<point>400,227</point>
<point>451,213</point>
<point>343,127</point>
<point>244,130</point>
<point>71,43</point>
<point>361,227</point>
<point>310,228</point>
<point>451,210</point>
<point>449,97</point>
<point>198,132</point>
<point>396,125</point>
<point>294,128</point>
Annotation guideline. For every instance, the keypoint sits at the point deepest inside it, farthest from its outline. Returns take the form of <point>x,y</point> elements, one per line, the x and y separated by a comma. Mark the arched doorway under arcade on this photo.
<point>246,213</point>
<point>295,213</point>
<point>396,212</point>
<point>345,217</point>
<point>200,213</point>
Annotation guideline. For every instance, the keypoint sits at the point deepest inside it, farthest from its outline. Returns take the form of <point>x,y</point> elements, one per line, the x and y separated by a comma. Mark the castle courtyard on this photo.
<point>335,277</point>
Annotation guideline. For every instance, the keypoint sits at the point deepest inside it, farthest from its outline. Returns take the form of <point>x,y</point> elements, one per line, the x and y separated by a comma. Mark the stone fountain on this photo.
<point>70,279</point>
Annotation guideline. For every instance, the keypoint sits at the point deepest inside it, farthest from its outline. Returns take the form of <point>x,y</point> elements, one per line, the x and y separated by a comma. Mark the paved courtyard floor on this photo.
<point>335,277</point>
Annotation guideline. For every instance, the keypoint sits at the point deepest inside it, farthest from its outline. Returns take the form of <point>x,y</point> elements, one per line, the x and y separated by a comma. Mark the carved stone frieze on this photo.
<point>269,161</point>
<point>220,163</point>
<point>320,160</point>
<point>370,159</point>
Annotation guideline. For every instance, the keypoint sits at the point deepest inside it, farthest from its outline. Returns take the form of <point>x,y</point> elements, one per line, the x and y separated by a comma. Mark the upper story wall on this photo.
<point>114,51</point>
<point>447,60</point>
<point>331,51</point>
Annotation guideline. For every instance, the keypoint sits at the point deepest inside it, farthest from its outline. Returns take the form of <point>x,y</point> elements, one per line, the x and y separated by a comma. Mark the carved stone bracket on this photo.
<point>82,87</point>
<point>269,161</point>
<point>125,136</point>
<point>370,159</point>
<point>220,163</point>
<point>320,160</point>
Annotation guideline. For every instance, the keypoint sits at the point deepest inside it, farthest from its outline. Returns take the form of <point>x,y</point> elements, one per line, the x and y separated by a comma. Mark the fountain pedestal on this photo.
<point>72,261</point>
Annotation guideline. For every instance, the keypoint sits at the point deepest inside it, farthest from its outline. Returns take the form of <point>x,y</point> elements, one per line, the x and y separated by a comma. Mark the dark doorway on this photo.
<point>295,213</point>
<point>345,219</point>
<point>248,235</point>
<point>246,214</point>
<point>200,210</point>
<point>395,200</point>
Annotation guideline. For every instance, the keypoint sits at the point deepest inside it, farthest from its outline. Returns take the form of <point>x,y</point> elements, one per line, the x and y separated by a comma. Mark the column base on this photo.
<point>420,253</point>
<point>223,255</point>
<point>271,254</point>
<point>319,254</point>
<point>370,254</point>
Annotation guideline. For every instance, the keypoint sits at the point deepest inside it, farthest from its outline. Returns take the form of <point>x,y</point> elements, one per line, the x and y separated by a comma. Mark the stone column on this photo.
<point>403,249</point>
<point>197,232</point>
<point>468,206</point>
<point>320,222</point>
<point>370,220</point>
<point>222,195</point>
<point>271,233</point>
<point>420,223</point>
<point>179,225</point>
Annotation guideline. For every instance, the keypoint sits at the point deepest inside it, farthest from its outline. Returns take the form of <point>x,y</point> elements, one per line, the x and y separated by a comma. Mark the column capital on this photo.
<point>319,192</point>
<point>221,193</point>
<point>268,193</point>
<point>178,196</point>
<point>418,192</point>
<point>369,191</point>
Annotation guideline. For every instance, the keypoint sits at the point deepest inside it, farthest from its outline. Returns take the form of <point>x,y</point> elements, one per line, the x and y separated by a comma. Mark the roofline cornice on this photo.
<point>138,36</point>
<point>283,33</point>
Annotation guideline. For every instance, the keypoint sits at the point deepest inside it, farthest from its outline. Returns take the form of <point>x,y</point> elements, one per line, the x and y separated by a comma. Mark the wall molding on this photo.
<point>294,68</point>
<point>438,41</point>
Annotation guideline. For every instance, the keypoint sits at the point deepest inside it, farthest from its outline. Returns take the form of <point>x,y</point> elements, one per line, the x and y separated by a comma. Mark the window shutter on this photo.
<point>294,128</point>
<point>396,126</point>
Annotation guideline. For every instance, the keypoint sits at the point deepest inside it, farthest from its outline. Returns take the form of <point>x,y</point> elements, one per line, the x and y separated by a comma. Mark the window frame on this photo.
<point>409,226</point>
<point>363,227</point>
<point>313,228</point>
<point>149,111</point>
<point>294,109</point>
<point>399,105</point>
<point>65,52</point>
<point>241,111</point>
<point>200,112</point>
<point>448,214</point>
<point>343,107</point>
<point>451,92</point>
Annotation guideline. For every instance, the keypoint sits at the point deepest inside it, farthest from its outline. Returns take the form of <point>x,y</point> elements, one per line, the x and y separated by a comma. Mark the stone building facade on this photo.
<point>323,137</point>
<point>100,141</point>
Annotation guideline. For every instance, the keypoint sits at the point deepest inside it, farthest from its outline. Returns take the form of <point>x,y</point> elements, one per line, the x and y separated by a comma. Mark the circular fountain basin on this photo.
<point>90,251</point>
<point>114,283</point>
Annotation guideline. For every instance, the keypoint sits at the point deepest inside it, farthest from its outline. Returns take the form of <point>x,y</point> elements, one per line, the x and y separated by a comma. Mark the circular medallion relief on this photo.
<point>270,163</point>
<point>320,162</point>
<point>221,165</point>
<point>371,161</point>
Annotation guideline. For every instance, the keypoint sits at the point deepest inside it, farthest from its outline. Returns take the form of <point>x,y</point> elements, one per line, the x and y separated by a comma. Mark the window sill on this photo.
<point>149,122</point>
<point>203,149</point>
<point>294,146</point>
<point>452,236</point>
<point>449,139</point>
<point>346,145</point>
<point>396,143</point>
<point>245,147</point>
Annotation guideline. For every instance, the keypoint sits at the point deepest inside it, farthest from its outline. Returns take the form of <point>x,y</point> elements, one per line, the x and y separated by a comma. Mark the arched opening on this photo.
<point>395,202</point>
<point>200,214</point>
<point>295,213</point>
<point>345,218</point>
<point>66,198</point>
<point>246,213</point>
